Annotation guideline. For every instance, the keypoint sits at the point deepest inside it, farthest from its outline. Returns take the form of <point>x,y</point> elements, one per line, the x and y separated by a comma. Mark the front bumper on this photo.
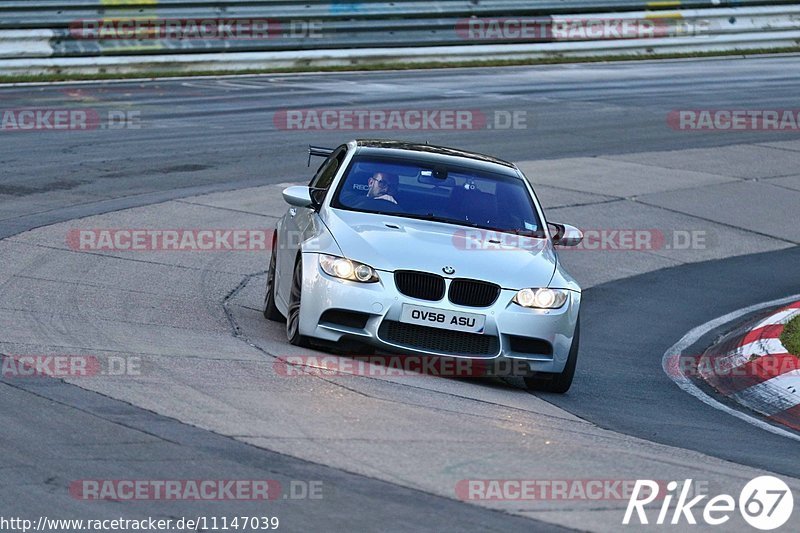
<point>381,304</point>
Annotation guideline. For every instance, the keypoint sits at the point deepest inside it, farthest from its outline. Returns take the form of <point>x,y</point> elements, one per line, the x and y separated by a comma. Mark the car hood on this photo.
<point>392,243</point>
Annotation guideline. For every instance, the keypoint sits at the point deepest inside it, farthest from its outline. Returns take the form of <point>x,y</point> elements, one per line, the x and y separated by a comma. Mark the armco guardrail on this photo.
<point>56,13</point>
<point>40,36</point>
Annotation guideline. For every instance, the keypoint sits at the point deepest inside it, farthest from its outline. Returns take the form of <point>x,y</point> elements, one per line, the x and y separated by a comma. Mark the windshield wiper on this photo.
<point>534,234</point>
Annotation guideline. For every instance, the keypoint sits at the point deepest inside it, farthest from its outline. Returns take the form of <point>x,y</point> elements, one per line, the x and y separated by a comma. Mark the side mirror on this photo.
<point>565,235</point>
<point>298,196</point>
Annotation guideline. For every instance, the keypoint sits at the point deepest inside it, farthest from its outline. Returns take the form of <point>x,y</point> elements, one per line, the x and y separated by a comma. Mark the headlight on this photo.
<point>342,268</point>
<point>541,298</point>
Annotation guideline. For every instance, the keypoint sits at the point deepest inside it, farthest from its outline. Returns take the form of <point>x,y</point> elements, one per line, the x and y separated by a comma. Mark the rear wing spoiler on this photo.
<point>318,151</point>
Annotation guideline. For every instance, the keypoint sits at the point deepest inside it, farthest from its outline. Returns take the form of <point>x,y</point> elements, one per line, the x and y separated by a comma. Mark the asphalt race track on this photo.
<point>670,302</point>
<point>387,451</point>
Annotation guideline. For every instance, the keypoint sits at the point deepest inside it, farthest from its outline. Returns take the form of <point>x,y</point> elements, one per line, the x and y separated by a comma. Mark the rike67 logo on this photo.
<point>766,503</point>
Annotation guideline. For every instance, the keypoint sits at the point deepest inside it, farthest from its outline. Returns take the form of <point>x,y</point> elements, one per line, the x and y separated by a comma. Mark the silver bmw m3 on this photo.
<point>425,250</point>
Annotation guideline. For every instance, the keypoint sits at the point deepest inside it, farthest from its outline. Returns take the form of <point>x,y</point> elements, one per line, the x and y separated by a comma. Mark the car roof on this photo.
<point>433,153</point>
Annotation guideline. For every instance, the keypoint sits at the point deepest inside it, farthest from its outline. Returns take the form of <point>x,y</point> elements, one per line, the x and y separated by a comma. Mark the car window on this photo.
<point>327,170</point>
<point>458,195</point>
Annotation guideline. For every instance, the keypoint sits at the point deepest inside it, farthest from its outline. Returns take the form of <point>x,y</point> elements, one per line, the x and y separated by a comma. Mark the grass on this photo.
<point>551,60</point>
<point>790,338</point>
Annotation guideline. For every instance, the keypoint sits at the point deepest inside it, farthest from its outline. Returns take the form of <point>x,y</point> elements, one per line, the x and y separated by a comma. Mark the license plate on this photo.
<point>441,318</point>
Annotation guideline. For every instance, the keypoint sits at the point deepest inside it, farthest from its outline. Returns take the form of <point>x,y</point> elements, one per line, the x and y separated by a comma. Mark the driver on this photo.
<point>382,186</point>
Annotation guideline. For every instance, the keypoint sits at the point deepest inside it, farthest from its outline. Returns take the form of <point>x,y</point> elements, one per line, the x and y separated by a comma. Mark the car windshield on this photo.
<point>443,193</point>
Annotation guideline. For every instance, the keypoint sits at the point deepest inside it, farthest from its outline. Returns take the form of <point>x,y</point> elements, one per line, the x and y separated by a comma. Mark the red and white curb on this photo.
<point>751,367</point>
<point>758,372</point>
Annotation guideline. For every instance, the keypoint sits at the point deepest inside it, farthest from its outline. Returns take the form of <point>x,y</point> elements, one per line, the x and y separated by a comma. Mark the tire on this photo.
<point>558,383</point>
<point>293,312</point>
<point>271,312</point>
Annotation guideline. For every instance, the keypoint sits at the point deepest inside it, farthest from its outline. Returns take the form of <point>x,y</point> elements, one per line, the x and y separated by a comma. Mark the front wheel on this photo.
<point>293,313</point>
<point>558,383</point>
